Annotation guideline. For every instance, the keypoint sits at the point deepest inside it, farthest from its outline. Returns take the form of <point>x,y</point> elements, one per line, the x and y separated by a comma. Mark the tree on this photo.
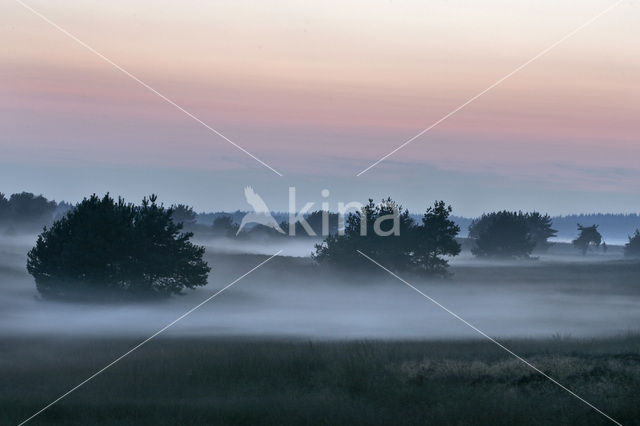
<point>435,238</point>
<point>632,248</point>
<point>27,207</point>
<point>4,207</point>
<point>183,214</point>
<point>589,235</point>
<point>540,229</point>
<point>62,209</point>
<point>224,226</point>
<point>113,249</point>
<point>502,234</point>
<point>386,233</point>
<point>382,231</point>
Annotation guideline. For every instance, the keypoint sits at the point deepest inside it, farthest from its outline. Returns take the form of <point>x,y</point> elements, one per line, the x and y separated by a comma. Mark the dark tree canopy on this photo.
<point>26,208</point>
<point>435,239</point>
<point>632,248</point>
<point>391,250</point>
<point>503,235</point>
<point>109,248</point>
<point>538,227</point>
<point>224,226</point>
<point>396,242</point>
<point>589,235</point>
<point>4,207</point>
<point>183,214</point>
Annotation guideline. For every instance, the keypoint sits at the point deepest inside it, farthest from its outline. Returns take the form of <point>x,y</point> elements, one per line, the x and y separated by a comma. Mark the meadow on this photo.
<point>295,343</point>
<point>257,381</point>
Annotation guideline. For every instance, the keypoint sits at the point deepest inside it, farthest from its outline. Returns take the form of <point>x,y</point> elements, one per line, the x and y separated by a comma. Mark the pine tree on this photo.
<point>435,239</point>
<point>632,248</point>
<point>108,248</point>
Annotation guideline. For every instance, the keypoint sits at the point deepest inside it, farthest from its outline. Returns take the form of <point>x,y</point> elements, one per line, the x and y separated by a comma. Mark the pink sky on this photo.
<point>301,84</point>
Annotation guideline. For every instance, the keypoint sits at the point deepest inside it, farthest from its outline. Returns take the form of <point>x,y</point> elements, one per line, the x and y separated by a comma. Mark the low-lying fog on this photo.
<point>289,296</point>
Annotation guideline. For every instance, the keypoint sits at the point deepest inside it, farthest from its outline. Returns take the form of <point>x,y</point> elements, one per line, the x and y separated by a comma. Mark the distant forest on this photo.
<point>26,211</point>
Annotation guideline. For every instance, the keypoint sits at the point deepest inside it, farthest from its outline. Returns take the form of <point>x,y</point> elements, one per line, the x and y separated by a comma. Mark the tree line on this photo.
<point>427,245</point>
<point>25,210</point>
<point>111,247</point>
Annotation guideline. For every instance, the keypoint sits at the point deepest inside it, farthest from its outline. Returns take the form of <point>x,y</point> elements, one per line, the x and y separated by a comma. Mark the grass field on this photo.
<point>198,381</point>
<point>312,365</point>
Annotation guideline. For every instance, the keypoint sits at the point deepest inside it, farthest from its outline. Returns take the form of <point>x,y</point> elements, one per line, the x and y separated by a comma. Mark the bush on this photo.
<point>184,214</point>
<point>224,226</point>
<point>502,234</point>
<point>391,250</point>
<point>409,246</point>
<point>589,235</point>
<point>538,227</point>
<point>108,248</point>
<point>540,230</point>
<point>632,248</point>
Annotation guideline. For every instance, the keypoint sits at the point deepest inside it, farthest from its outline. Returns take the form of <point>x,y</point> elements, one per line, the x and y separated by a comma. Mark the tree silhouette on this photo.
<point>502,234</point>
<point>4,207</point>
<point>410,246</point>
<point>632,248</point>
<point>540,229</point>
<point>26,210</point>
<point>103,248</point>
<point>184,214</point>
<point>224,226</point>
<point>27,207</point>
<point>588,235</point>
<point>435,239</point>
<point>366,231</point>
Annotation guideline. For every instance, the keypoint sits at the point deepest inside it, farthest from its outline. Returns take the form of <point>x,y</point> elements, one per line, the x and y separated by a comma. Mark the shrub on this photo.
<point>589,235</point>
<point>224,226</point>
<point>400,246</point>
<point>183,214</point>
<point>538,227</point>
<point>502,234</point>
<point>392,250</point>
<point>106,248</point>
<point>632,248</point>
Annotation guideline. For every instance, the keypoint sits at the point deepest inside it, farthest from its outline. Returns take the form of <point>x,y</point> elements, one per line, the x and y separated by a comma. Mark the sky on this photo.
<point>319,91</point>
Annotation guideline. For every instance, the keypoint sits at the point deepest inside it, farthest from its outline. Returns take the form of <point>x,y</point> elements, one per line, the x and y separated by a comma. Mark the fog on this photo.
<point>302,247</point>
<point>290,296</point>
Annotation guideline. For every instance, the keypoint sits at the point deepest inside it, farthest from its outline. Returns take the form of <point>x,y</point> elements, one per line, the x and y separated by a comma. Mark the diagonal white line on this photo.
<point>473,327</point>
<point>498,82</point>
<point>142,83</point>
<point>146,340</point>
